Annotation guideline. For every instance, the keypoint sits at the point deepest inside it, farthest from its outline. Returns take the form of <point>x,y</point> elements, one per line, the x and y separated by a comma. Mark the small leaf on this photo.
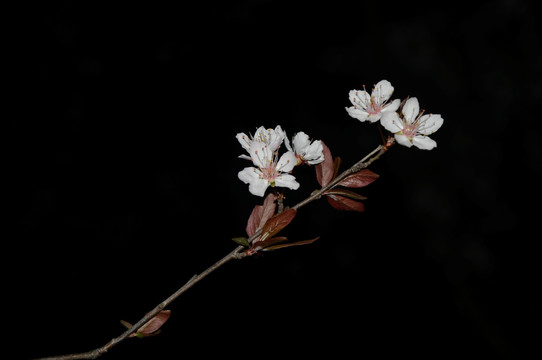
<point>276,224</point>
<point>325,169</point>
<point>360,179</point>
<point>296,243</point>
<point>126,324</point>
<point>262,245</point>
<point>254,220</point>
<point>342,203</point>
<point>260,214</point>
<point>346,193</point>
<point>241,240</point>
<point>152,326</point>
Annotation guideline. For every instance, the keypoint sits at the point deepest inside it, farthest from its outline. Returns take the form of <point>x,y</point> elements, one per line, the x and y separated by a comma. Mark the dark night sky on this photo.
<point>122,163</point>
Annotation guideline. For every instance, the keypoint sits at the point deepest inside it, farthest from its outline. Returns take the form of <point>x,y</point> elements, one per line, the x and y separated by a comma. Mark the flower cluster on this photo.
<point>409,126</point>
<point>269,168</point>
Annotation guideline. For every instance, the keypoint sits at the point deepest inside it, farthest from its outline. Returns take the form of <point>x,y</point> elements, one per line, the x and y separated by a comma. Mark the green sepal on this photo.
<point>241,240</point>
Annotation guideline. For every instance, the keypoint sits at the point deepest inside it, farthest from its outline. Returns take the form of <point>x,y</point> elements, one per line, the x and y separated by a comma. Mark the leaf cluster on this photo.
<point>339,197</point>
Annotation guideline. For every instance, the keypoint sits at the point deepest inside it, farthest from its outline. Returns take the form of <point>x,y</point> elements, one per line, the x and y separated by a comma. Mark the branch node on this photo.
<point>239,255</point>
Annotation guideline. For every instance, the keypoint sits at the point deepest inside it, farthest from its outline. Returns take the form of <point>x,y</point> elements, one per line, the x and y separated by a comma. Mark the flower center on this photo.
<point>410,130</point>
<point>270,172</point>
<point>300,159</point>
<point>374,107</point>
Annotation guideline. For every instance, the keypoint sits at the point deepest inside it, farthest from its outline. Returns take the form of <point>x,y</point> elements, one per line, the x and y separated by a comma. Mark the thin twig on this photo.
<point>193,280</point>
<point>362,164</point>
<point>235,254</point>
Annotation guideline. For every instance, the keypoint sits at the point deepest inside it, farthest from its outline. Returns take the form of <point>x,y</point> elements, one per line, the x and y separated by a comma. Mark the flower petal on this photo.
<point>403,140</point>
<point>391,122</point>
<point>258,187</point>
<point>276,137</point>
<point>287,162</point>
<point>251,176</point>
<point>424,142</point>
<point>271,137</point>
<point>248,174</point>
<point>411,109</point>
<point>301,142</point>
<point>260,134</point>
<point>430,123</point>
<point>315,153</point>
<point>393,106</point>
<point>382,91</point>
<point>287,142</point>
<point>287,180</point>
<point>260,153</point>
<point>246,157</point>
<point>357,113</point>
<point>360,98</point>
<point>244,140</point>
<point>374,117</point>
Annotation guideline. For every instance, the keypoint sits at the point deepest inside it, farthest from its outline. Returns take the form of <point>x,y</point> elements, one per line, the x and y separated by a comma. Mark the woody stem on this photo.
<point>236,253</point>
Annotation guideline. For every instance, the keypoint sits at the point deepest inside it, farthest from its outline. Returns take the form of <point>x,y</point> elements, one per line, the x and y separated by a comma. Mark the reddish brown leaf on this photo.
<point>153,325</point>
<point>296,243</point>
<point>342,203</point>
<point>346,193</point>
<point>276,224</point>
<point>260,214</point>
<point>336,165</point>
<point>254,220</point>
<point>360,179</point>
<point>269,207</point>
<point>259,245</point>
<point>325,169</point>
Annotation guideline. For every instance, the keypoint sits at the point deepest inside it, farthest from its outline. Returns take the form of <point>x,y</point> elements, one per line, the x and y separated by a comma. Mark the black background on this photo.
<point>122,168</point>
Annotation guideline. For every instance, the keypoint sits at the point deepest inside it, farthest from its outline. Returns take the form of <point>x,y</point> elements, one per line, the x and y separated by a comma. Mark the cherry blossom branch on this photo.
<point>402,119</point>
<point>236,253</point>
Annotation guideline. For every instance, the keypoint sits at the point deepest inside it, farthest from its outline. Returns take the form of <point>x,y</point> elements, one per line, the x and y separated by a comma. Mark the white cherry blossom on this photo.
<point>412,127</point>
<point>305,150</point>
<point>269,170</point>
<point>372,107</point>
<point>273,138</point>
